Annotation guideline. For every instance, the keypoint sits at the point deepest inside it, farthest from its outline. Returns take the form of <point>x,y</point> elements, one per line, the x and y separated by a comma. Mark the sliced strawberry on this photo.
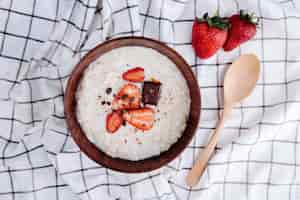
<point>113,121</point>
<point>135,75</point>
<point>142,119</point>
<point>129,97</point>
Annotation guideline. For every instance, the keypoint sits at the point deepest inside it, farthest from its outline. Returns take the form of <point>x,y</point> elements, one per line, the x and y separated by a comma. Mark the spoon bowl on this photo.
<point>241,78</point>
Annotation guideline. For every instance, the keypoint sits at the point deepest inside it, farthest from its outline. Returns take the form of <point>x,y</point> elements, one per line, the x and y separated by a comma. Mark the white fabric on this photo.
<point>258,156</point>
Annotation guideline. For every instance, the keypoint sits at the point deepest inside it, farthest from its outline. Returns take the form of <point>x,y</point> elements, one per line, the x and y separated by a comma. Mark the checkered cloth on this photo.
<point>258,156</point>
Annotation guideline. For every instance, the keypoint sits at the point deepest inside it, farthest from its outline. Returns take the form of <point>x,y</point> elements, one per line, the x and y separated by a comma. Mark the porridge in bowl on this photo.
<point>133,103</point>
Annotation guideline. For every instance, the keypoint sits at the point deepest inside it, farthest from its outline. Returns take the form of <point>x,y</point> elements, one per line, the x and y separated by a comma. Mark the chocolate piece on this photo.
<point>108,90</point>
<point>103,102</point>
<point>151,92</point>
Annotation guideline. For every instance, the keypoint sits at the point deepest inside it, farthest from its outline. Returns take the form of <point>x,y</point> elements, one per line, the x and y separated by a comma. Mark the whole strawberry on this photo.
<point>242,29</point>
<point>209,35</point>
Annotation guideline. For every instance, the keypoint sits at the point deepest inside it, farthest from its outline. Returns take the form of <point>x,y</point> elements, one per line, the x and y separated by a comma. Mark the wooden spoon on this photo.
<point>240,79</point>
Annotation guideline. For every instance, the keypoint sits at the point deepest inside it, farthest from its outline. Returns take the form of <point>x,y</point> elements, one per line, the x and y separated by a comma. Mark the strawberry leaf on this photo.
<point>215,21</point>
<point>251,18</point>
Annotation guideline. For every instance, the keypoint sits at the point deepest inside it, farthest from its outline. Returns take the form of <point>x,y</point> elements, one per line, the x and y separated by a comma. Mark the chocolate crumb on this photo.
<point>138,141</point>
<point>131,99</point>
<point>99,97</point>
<point>124,123</point>
<point>123,97</point>
<point>102,102</point>
<point>114,95</point>
<point>108,90</point>
<point>108,103</point>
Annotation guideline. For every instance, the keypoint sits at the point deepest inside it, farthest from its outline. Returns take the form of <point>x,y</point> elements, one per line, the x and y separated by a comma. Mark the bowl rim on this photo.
<point>118,164</point>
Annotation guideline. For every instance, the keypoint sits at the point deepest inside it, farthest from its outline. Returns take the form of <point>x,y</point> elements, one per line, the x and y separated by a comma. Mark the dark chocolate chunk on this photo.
<point>108,90</point>
<point>151,92</point>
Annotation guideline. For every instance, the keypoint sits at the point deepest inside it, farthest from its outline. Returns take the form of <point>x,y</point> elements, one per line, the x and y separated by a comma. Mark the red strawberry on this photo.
<point>243,28</point>
<point>142,119</point>
<point>113,121</point>
<point>134,75</point>
<point>129,97</point>
<point>209,35</point>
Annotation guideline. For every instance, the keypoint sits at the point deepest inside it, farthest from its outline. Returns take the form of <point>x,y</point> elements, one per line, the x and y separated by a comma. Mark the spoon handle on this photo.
<point>196,172</point>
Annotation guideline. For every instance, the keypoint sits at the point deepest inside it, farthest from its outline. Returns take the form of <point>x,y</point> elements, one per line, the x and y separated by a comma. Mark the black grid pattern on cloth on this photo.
<point>227,175</point>
<point>42,179</point>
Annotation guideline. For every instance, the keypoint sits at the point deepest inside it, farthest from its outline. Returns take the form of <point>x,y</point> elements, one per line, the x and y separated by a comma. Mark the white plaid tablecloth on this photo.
<point>258,156</point>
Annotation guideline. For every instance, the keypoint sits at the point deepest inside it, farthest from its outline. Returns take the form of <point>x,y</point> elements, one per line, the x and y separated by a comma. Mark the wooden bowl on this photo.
<point>118,164</point>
